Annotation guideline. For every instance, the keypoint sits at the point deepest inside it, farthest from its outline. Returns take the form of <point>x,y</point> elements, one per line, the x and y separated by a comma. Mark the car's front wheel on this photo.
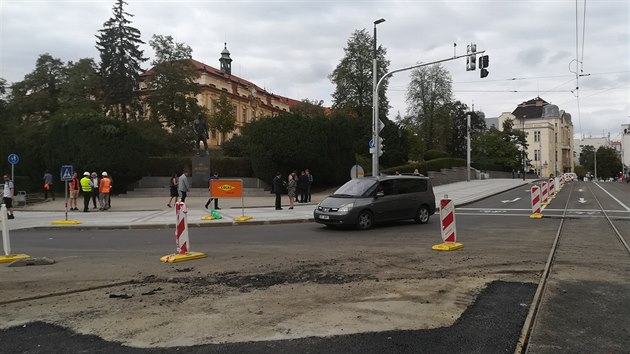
<point>365,220</point>
<point>422,215</point>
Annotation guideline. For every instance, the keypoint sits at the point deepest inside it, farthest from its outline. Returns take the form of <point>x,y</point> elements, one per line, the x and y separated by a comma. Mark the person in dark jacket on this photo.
<point>278,186</point>
<point>216,200</point>
<point>302,187</point>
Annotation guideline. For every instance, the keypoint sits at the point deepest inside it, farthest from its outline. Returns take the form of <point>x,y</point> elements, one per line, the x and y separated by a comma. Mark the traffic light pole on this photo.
<point>375,124</point>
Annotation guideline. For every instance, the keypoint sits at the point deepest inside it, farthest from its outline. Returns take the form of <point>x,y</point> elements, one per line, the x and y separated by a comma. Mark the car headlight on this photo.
<point>346,208</point>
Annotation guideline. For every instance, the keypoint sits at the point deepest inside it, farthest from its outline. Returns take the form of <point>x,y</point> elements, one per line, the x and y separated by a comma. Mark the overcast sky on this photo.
<point>290,47</point>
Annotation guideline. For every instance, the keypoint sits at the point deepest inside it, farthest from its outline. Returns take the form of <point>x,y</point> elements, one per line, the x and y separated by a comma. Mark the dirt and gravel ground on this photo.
<point>384,280</point>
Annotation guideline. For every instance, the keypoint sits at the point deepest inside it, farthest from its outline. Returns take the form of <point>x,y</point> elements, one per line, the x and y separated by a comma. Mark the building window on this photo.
<point>537,136</point>
<point>244,114</point>
<point>536,155</point>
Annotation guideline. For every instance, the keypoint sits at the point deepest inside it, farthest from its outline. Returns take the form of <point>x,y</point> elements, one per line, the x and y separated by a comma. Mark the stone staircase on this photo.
<point>164,192</point>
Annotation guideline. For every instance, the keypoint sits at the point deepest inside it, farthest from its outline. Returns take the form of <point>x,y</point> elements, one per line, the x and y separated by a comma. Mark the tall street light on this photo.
<point>375,124</point>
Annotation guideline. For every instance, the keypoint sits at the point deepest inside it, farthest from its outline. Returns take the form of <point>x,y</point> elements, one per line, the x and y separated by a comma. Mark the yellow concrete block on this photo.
<point>13,257</point>
<point>447,246</point>
<point>66,222</point>
<point>174,258</point>
<point>208,217</point>
<point>536,216</point>
<point>243,218</point>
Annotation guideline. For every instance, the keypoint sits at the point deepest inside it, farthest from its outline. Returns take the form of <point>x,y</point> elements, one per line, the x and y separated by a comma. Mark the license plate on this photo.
<point>324,217</point>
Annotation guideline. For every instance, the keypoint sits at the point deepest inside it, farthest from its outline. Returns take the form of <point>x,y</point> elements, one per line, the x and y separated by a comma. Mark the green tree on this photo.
<point>429,95</point>
<point>118,43</point>
<point>81,91</point>
<point>353,78</point>
<point>172,84</point>
<point>495,149</point>
<point>456,144</point>
<point>587,157</point>
<point>608,162</point>
<point>224,117</point>
<point>36,98</point>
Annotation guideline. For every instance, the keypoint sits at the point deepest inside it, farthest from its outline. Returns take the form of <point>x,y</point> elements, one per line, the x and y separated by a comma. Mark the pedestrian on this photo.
<point>302,186</point>
<point>48,185</point>
<point>173,189</point>
<point>7,196</point>
<point>216,200</point>
<point>291,187</point>
<point>278,185</point>
<point>75,186</point>
<point>86,188</point>
<point>95,189</point>
<point>104,187</point>
<point>309,185</point>
<point>183,186</point>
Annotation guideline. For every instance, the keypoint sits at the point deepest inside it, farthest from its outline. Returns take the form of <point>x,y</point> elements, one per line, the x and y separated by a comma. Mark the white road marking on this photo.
<point>510,201</point>
<point>581,200</point>
<point>613,197</point>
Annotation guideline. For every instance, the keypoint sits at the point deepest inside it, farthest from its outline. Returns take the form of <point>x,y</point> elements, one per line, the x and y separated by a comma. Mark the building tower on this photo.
<point>226,61</point>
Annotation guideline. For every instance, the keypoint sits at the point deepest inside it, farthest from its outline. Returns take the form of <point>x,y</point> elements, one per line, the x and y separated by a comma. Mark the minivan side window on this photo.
<point>414,185</point>
<point>387,187</point>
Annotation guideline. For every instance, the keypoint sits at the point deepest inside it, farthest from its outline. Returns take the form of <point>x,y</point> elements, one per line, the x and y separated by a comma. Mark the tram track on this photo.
<point>570,241</point>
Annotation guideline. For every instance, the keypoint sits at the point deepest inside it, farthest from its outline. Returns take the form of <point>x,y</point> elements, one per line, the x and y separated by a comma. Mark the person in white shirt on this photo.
<point>183,186</point>
<point>7,195</point>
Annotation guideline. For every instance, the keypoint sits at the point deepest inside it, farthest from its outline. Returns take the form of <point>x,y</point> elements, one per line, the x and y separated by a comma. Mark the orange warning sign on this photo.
<point>223,188</point>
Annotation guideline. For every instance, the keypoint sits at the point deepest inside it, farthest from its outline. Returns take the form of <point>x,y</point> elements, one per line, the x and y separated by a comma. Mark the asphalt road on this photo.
<point>501,243</point>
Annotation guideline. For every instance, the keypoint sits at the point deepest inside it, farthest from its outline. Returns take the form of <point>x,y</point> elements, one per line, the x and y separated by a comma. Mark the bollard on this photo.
<point>536,213</point>
<point>544,193</point>
<point>182,242</point>
<point>448,227</point>
<point>6,240</point>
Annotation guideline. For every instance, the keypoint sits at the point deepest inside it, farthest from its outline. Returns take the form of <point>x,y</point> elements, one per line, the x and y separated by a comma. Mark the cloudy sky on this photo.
<point>290,47</point>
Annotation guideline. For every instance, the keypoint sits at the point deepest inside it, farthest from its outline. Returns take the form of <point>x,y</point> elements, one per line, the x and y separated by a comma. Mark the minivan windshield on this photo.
<point>358,187</point>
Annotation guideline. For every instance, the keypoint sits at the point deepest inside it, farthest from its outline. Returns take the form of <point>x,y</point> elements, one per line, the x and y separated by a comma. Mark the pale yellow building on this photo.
<point>250,102</point>
<point>549,135</point>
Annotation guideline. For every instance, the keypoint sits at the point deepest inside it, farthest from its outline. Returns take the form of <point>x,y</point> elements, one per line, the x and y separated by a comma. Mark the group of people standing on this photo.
<point>297,187</point>
<point>93,188</point>
<point>179,188</point>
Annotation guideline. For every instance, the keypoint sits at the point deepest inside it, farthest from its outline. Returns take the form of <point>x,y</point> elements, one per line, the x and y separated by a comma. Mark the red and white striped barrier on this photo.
<point>536,212</point>
<point>448,227</point>
<point>181,228</point>
<point>182,242</point>
<point>552,188</point>
<point>544,193</point>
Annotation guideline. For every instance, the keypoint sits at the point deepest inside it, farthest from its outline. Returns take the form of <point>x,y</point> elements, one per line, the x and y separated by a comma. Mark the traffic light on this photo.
<point>380,146</point>
<point>470,62</point>
<point>484,61</point>
<point>472,58</point>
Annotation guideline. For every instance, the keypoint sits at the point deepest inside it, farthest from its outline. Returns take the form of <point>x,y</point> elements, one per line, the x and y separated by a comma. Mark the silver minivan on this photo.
<point>364,201</point>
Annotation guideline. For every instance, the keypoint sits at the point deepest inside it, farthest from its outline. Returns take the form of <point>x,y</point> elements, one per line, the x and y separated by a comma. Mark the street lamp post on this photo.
<point>375,124</point>
<point>523,147</point>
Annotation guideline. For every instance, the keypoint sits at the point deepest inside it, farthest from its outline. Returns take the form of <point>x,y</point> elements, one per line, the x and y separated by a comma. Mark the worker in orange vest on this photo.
<point>104,187</point>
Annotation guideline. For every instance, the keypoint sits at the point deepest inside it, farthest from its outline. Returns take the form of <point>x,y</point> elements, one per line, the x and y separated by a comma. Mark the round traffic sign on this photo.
<point>14,159</point>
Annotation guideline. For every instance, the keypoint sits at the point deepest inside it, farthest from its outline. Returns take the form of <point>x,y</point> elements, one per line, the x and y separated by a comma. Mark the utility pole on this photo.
<point>375,122</point>
<point>468,144</point>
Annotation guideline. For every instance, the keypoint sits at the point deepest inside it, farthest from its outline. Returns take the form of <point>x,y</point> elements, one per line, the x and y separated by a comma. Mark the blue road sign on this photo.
<point>372,145</point>
<point>14,159</point>
<point>66,173</point>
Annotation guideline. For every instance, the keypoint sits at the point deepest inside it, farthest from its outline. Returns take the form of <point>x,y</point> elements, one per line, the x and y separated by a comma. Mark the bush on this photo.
<point>425,167</point>
<point>434,154</point>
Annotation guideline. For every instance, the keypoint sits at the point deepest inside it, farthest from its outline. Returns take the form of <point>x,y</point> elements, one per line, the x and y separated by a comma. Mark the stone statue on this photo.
<point>200,126</point>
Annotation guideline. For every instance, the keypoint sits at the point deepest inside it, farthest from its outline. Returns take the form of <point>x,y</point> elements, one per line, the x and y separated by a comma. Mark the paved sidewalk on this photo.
<point>152,212</point>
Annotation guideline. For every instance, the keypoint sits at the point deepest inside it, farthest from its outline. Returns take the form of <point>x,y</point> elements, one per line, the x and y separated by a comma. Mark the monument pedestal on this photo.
<point>200,171</point>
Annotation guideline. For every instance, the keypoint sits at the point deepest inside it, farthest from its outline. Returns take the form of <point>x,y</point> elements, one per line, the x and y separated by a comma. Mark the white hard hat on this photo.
<point>104,174</point>
<point>86,173</point>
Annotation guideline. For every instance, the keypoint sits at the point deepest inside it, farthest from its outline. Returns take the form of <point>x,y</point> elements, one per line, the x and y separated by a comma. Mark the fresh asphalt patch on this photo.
<point>491,324</point>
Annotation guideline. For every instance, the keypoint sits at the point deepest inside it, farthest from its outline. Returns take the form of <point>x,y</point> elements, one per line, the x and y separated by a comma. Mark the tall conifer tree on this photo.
<point>118,44</point>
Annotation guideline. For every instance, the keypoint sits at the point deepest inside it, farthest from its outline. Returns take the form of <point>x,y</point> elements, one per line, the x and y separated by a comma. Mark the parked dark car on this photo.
<point>362,202</point>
